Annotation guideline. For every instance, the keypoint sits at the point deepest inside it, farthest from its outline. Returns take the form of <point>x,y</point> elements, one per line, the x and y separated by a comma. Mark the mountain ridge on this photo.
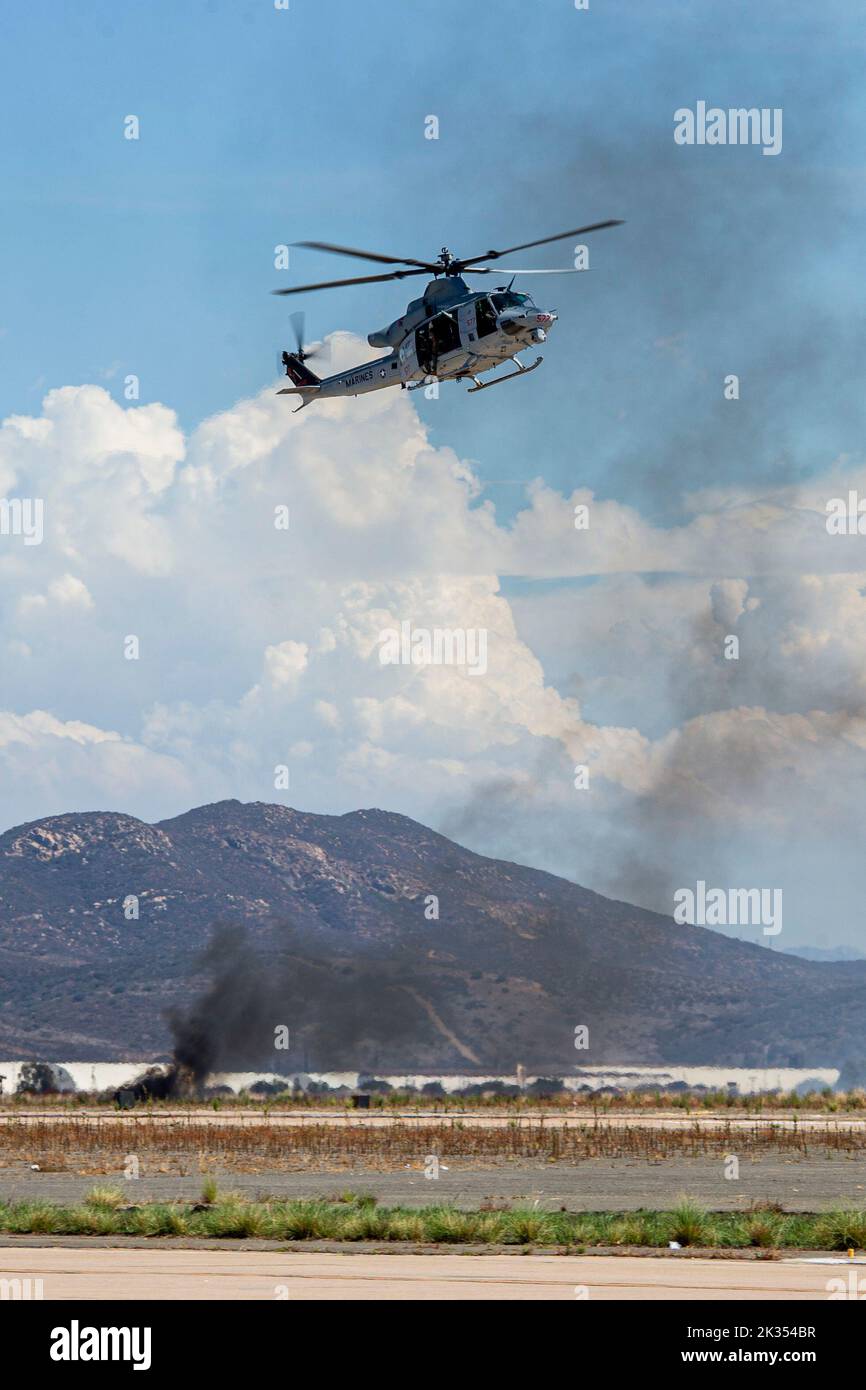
<point>516,959</point>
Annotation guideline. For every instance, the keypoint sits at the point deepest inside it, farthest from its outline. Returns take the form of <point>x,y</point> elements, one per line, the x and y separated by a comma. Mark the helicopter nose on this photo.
<point>539,324</point>
<point>534,321</point>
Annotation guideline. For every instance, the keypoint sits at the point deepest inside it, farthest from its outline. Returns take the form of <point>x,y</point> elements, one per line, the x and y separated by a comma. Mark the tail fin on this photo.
<point>299,374</point>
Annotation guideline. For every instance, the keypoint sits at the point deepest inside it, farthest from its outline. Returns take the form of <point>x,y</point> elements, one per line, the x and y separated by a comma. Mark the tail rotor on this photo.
<point>285,359</point>
<point>297,322</point>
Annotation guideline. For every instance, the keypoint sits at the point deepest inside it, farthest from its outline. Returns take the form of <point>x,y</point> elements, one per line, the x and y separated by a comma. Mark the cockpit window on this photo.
<point>509,300</point>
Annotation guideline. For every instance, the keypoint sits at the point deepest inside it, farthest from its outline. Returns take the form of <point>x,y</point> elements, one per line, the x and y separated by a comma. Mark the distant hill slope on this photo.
<point>832,953</point>
<point>516,960</point>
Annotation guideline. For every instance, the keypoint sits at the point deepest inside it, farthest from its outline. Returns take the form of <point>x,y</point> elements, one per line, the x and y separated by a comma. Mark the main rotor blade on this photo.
<point>358,280</point>
<point>542,241</point>
<point>513,270</point>
<point>365,255</point>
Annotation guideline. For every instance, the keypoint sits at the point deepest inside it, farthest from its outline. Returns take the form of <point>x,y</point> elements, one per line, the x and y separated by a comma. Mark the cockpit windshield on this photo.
<point>509,300</point>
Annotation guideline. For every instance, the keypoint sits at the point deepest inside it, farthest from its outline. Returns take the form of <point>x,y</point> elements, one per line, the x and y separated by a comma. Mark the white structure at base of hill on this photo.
<point>104,1076</point>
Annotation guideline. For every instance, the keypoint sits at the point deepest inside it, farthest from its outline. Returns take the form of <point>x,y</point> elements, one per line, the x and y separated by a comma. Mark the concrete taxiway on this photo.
<point>106,1272</point>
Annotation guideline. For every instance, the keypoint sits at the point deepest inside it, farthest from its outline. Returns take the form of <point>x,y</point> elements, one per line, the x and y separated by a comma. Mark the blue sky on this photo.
<point>155,258</point>
<point>260,126</point>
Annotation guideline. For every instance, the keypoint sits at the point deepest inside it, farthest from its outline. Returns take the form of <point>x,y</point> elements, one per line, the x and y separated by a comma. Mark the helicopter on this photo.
<point>450,333</point>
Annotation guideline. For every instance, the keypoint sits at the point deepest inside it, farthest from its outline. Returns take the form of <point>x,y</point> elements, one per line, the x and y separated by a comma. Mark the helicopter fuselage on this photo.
<point>451,332</point>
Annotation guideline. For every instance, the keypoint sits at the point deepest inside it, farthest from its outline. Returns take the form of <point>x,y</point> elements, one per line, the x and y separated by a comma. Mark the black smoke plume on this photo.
<point>338,1013</point>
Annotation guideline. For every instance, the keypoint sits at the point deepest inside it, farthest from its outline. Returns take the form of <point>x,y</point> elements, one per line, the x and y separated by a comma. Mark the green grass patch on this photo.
<point>356,1217</point>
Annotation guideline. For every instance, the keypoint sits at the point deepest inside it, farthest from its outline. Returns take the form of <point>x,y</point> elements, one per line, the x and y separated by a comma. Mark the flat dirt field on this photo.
<point>595,1184</point>
<point>618,1162</point>
<point>470,1119</point>
<point>155,1274</point>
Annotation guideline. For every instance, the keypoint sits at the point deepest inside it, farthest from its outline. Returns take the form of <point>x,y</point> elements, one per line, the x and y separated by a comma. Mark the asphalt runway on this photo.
<point>812,1183</point>
<point>303,1276</point>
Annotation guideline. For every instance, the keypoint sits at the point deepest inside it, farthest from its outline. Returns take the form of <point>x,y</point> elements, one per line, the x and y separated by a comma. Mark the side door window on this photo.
<point>485,317</point>
<point>445,334</point>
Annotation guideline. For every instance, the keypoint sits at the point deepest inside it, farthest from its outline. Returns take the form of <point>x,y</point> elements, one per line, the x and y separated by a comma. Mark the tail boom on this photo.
<point>357,381</point>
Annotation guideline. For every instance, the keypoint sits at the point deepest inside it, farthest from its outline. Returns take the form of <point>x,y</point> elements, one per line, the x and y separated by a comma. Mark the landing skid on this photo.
<point>521,371</point>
